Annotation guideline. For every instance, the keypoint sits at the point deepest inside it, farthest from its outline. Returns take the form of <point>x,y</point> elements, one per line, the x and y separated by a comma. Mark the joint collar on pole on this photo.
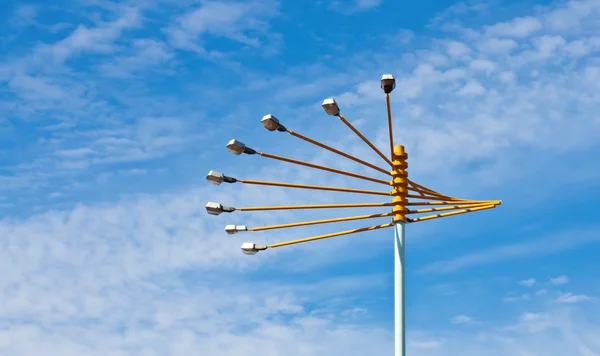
<point>399,183</point>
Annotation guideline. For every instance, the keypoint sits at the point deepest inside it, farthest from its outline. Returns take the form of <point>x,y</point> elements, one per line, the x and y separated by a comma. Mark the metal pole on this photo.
<point>399,303</point>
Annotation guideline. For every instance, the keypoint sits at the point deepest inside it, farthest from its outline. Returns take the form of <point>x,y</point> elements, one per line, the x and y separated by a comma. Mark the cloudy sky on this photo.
<point>112,113</point>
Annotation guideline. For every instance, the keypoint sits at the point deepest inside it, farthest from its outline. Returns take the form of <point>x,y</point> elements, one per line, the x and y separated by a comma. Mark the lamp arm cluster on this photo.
<point>404,192</point>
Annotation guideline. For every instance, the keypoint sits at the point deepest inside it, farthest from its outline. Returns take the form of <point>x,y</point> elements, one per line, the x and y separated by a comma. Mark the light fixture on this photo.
<point>216,209</point>
<point>250,248</point>
<point>271,123</point>
<point>233,229</point>
<point>217,178</point>
<point>388,83</point>
<point>237,148</point>
<point>331,107</point>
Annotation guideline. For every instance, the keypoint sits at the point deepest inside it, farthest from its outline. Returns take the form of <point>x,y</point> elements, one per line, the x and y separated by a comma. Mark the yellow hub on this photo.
<point>399,183</point>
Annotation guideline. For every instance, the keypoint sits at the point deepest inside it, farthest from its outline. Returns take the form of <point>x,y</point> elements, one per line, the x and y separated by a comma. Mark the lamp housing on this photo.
<point>388,83</point>
<point>237,148</point>
<point>217,178</point>
<point>271,123</point>
<point>331,107</point>
<point>234,229</point>
<point>250,248</point>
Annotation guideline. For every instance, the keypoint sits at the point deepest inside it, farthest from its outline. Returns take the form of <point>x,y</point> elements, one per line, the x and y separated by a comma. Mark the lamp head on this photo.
<point>237,148</point>
<point>388,83</point>
<point>331,107</point>
<point>233,229</point>
<point>250,248</point>
<point>215,177</point>
<point>214,208</point>
<point>271,123</point>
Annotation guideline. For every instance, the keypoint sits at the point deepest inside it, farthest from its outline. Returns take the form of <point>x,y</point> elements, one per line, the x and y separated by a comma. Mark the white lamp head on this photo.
<point>250,248</point>
<point>331,107</point>
<point>214,208</point>
<point>236,147</point>
<point>271,123</point>
<point>233,229</point>
<point>388,83</point>
<point>215,177</point>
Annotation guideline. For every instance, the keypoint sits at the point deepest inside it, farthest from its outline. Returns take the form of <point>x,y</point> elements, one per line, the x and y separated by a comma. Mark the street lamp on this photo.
<point>271,123</point>
<point>250,248</point>
<point>405,194</point>
<point>237,148</point>
<point>388,83</point>
<point>217,178</point>
<point>331,107</point>
<point>234,229</point>
<point>216,209</point>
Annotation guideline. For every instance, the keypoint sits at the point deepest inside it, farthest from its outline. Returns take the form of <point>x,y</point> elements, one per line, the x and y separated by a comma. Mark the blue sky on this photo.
<point>112,113</point>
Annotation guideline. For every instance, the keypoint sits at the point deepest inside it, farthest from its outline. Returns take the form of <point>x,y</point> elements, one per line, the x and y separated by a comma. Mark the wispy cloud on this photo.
<point>145,55</point>
<point>243,22</point>
<point>519,27</point>
<point>99,39</point>
<point>425,344</point>
<point>559,280</point>
<point>516,298</point>
<point>353,6</point>
<point>24,16</point>
<point>540,247</point>
<point>527,282</point>
<point>463,319</point>
<point>574,298</point>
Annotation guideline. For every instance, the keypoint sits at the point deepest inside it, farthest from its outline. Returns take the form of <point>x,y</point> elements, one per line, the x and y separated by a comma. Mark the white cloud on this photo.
<point>548,45</point>
<point>519,27</point>
<point>232,20</point>
<point>32,88</point>
<point>24,16</point>
<point>527,282</point>
<point>458,49</point>
<point>548,332</point>
<point>559,280</point>
<point>572,16</point>
<point>517,298</point>
<point>515,251</point>
<point>473,87</point>
<point>462,319</point>
<point>457,9</point>
<point>100,39</point>
<point>533,322</point>
<point>483,65</point>
<point>365,4</point>
<point>425,344</point>
<point>102,268</point>
<point>146,54</point>
<point>353,7</point>
<point>574,298</point>
<point>497,46</point>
